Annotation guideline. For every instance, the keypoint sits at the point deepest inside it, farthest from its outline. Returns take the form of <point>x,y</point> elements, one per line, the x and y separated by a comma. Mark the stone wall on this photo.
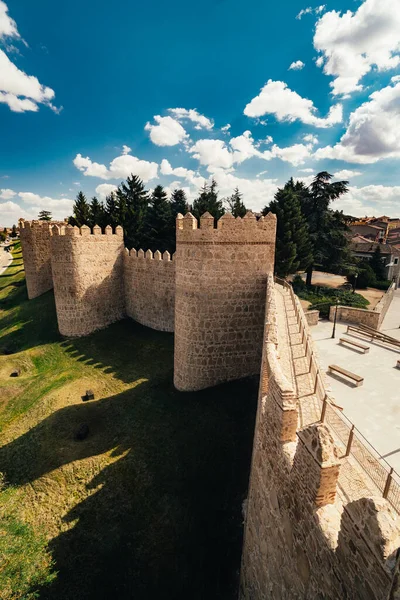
<point>312,317</point>
<point>35,243</point>
<point>150,288</point>
<point>372,318</point>
<point>300,540</point>
<point>88,278</point>
<point>221,277</point>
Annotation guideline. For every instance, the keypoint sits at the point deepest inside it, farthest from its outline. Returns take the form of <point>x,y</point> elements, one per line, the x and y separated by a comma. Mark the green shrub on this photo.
<point>366,277</point>
<point>25,564</point>
<point>322,298</point>
<point>298,283</point>
<point>382,285</point>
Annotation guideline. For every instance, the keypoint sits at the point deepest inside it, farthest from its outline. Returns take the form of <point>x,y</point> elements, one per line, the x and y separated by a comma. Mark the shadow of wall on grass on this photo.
<point>167,520</point>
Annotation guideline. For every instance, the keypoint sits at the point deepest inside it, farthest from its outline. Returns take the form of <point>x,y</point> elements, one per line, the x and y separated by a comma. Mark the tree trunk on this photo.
<point>309,275</point>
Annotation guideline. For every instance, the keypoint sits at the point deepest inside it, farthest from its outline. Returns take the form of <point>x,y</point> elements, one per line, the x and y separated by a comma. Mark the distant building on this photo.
<point>390,256</point>
<point>374,233</point>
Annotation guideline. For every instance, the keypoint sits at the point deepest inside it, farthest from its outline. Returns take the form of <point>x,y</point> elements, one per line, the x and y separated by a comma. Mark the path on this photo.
<point>391,322</point>
<point>5,259</point>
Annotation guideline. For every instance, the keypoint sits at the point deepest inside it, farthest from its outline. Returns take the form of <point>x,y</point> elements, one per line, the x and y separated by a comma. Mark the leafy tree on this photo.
<point>365,276</point>
<point>159,233</point>
<point>327,240</point>
<point>13,233</point>
<point>97,213</point>
<point>44,215</point>
<point>133,201</point>
<point>208,201</point>
<point>3,236</point>
<point>178,203</point>
<point>293,245</point>
<point>236,205</point>
<point>81,211</point>
<point>377,265</point>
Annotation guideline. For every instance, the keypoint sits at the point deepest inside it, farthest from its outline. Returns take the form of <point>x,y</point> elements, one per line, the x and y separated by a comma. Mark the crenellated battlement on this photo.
<point>85,231</point>
<point>227,229</point>
<point>148,255</point>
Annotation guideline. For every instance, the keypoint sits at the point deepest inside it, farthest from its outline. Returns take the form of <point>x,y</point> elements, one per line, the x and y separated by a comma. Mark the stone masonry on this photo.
<point>306,535</point>
<point>221,277</point>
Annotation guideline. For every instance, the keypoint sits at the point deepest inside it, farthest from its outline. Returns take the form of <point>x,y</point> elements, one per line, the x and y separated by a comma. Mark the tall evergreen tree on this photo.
<point>133,201</point>
<point>236,205</point>
<point>377,265</point>
<point>293,246</point>
<point>208,201</point>
<point>81,211</point>
<point>111,211</point>
<point>158,230</point>
<point>13,233</point>
<point>97,213</point>
<point>44,215</point>
<point>326,240</point>
<point>179,203</point>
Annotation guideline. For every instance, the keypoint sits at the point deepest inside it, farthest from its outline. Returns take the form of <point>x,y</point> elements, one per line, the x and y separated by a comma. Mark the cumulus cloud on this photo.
<point>6,193</point>
<point>310,138</point>
<point>306,170</point>
<point>21,92</point>
<point>167,132</point>
<point>277,99</point>
<point>104,189</point>
<point>373,132</point>
<point>226,128</point>
<point>296,66</point>
<point>191,114</point>
<point>295,155</point>
<point>353,43</point>
<point>166,169</point>
<point>126,149</point>
<point>310,10</point>
<point>59,207</point>
<point>370,200</point>
<point>119,168</point>
<point>10,212</point>
<point>212,153</point>
<point>346,174</point>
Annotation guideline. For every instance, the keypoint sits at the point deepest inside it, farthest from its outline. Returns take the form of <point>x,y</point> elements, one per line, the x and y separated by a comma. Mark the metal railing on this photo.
<point>346,434</point>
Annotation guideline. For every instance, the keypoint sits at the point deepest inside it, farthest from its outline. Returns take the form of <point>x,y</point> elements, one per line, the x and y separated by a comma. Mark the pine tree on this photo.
<point>44,215</point>
<point>133,201</point>
<point>235,203</point>
<point>158,230</point>
<point>377,265</point>
<point>13,233</point>
<point>81,211</point>
<point>293,246</point>
<point>111,211</point>
<point>97,213</point>
<point>208,201</point>
<point>178,203</point>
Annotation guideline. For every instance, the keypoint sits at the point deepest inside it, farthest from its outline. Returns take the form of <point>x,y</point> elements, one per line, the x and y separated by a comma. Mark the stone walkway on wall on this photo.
<point>354,483</point>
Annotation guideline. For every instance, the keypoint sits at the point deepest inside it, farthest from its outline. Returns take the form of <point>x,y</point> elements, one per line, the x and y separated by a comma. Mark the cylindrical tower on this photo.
<point>221,279</point>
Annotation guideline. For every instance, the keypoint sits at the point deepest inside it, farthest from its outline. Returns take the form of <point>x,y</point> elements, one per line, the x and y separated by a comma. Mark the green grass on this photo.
<point>149,505</point>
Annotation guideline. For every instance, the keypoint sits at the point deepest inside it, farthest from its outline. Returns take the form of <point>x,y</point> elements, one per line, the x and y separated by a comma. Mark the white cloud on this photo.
<point>6,194</point>
<point>166,169</point>
<point>395,79</point>
<point>126,149</point>
<point>370,200</point>
<point>346,174</point>
<point>353,43</point>
<point>226,127</point>
<point>105,189</point>
<point>295,155</point>
<point>306,179</point>
<point>373,132</point>
<point>257,193</point>
<point>213,153</point>
<point>191,114</point>
<point>120,168</point>
<point>296,66</point>
<point>277,99</point>
<point>309,10</point>
<point>306,170</point>
<point>60,208</point>
<point>167,132</point>
<point>8,27</point>
<point>310,138</point>
<point>10,212</point>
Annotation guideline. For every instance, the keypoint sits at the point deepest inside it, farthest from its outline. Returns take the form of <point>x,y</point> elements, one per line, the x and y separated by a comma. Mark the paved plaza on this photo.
<point>374,407</point>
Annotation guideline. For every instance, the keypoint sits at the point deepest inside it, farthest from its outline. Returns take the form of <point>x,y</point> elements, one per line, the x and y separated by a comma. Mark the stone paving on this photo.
<point>354,483</point>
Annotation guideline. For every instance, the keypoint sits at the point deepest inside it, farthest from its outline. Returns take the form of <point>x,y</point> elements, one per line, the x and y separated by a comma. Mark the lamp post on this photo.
<point>355,282</point>
<point>334,318</point>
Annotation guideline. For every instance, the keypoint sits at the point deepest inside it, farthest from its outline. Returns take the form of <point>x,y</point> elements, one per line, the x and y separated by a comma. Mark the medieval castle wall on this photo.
<point>35,242</point>
<point>87,271</point>
<point>301,540</point>
<point>221,276</point>
<point>150,288</point>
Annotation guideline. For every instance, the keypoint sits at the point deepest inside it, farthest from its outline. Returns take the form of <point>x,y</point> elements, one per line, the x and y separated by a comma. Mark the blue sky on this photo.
<point>90,92</point>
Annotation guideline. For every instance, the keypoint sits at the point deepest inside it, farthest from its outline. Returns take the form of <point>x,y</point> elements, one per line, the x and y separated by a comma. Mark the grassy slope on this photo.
<point>149,505</point>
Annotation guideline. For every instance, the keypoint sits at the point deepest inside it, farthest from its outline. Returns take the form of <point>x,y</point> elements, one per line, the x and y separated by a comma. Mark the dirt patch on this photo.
<point>372,295</point>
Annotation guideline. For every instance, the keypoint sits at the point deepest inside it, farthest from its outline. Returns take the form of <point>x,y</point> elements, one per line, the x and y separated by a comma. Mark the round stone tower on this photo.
<point>221,282</point>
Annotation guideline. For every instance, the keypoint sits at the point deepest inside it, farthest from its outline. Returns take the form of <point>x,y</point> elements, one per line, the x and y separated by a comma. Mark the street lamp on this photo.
<point>334,319</point>
<point>355,282</point>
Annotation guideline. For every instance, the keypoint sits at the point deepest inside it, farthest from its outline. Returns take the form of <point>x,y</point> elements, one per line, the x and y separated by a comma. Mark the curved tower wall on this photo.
<point>88,278</point>
<point>221,280</point>
<point>35,243</point>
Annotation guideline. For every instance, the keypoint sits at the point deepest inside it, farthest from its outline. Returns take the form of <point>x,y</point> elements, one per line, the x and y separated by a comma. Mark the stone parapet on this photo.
<point>35,243</point>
